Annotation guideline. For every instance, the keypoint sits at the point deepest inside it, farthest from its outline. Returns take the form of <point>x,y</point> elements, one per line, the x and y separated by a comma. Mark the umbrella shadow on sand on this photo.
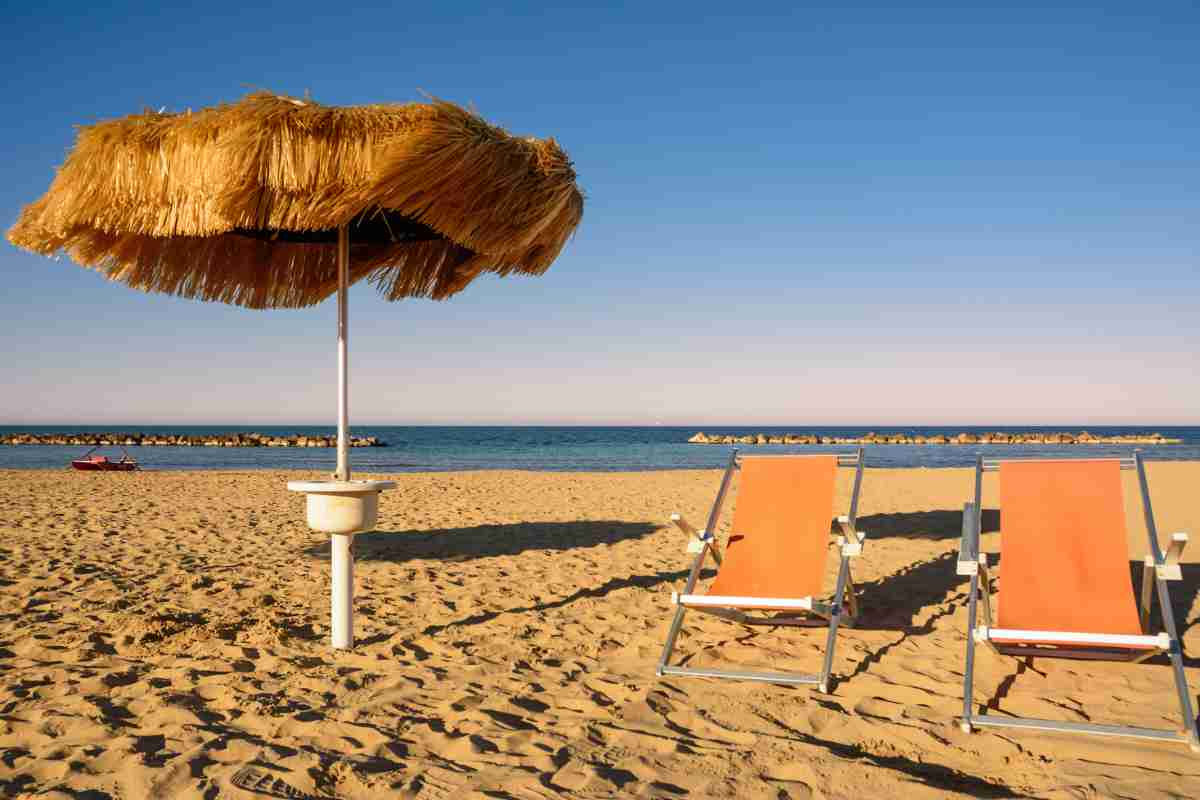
<point>486,541</point>
<point>892,602</point>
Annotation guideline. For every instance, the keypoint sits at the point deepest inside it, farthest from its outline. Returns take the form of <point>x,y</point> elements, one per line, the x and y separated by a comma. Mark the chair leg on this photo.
<point>969,669</point>
<point>835,617</point>
<point>1149,654</point>
<point>672,634</point>
<point>985,592</point>
<point>1176,654</point>
<point>697,564</point>
<point>851,594</point>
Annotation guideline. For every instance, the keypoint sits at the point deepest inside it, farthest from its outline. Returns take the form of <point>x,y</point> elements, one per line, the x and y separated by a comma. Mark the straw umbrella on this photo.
<point>276,202</point>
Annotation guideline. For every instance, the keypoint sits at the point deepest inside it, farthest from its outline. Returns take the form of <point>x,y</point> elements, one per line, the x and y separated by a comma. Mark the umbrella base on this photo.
<point>341,507</point>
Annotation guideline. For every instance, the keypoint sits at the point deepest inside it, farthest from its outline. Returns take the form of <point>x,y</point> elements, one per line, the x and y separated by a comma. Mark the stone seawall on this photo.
<point>168,440</point>
<point>963,438</point>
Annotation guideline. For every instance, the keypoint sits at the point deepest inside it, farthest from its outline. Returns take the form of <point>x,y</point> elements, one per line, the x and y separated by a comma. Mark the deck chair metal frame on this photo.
<point>1157,570</point>
<point>841,608</point>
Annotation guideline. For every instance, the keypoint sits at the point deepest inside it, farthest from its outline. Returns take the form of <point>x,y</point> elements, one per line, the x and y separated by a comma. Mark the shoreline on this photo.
<point>393,474</point>
<point>1148,457</point>
<point>588,449</point>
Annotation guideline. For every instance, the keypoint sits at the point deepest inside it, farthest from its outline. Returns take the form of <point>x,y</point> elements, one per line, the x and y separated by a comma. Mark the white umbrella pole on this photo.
<point>341,557</point>
<point>343,444</point>
<point>342,507</point>
<point>341,545</point>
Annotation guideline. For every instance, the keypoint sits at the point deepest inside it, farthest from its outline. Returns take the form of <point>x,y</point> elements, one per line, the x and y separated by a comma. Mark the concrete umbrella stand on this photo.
<point>342,507</point>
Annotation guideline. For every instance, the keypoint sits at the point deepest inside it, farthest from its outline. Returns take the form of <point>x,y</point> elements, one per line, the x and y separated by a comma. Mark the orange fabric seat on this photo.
<point>1064,558</point>
<point>779,543</point>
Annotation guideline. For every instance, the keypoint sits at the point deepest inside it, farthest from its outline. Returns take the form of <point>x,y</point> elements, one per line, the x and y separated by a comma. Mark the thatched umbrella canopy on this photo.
<point>241,203</point>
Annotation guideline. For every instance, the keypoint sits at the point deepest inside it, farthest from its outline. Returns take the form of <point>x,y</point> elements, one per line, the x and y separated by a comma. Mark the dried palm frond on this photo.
<point>240,203</point>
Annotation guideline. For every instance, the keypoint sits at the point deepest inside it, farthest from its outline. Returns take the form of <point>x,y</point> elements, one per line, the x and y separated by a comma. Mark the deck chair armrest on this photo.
<point>968,548</point>
<point>1168,569</point>
<point>851,540</point>
<point>698,540</point>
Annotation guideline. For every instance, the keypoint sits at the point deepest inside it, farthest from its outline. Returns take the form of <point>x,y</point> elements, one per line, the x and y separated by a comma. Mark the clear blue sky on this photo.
<point>796,214</point>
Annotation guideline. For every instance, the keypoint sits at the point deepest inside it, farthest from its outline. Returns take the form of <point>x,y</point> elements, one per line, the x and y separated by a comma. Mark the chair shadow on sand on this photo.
<point>893,602</point>
<point>896,601</point>
<point>1183,597</point>
<point>931,525</point>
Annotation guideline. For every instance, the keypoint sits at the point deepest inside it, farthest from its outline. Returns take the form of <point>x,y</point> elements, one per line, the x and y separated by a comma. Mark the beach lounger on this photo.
<point>1065,587</point>
<point>774,562</point>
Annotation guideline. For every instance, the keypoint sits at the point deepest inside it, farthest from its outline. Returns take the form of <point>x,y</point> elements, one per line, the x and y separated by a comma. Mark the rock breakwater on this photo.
<point>1082,437</point>
<point>181,440</point>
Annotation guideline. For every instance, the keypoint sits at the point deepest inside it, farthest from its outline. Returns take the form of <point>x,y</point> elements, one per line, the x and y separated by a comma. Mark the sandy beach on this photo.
<point>165,635</point>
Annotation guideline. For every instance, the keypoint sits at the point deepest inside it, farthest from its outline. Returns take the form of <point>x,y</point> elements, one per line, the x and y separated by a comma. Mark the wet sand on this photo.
<point>165,635</point>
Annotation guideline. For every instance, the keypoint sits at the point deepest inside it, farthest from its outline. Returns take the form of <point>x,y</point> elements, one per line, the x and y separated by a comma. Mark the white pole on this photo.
<point>341,547</point>
<point>341,560</point>
<point>343,446</point>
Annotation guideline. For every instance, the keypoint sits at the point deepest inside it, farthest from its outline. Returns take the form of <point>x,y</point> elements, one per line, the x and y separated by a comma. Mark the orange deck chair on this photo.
<point>776,555</point>
<point>1065,588</point>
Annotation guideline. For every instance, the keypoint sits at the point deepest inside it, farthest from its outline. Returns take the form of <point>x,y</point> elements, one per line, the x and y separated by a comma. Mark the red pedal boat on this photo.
<point>91,463</point>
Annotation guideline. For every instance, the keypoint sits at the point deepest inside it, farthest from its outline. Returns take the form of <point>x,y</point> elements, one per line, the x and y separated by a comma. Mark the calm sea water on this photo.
<point>561,448</point>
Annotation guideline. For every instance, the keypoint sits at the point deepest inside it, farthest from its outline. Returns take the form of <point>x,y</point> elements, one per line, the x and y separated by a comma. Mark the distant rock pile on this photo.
<point>180,440</point>
<point>963,438</point>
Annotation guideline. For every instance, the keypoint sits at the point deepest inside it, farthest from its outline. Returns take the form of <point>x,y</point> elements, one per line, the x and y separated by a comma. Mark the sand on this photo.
<point>165,635</point>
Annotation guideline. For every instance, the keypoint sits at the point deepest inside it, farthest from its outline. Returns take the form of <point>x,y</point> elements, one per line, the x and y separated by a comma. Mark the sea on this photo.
<point>564,448</point>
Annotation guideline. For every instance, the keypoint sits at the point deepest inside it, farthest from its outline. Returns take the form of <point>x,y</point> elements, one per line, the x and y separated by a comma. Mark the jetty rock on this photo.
<point>996,438</point>
<point>182,440</point>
